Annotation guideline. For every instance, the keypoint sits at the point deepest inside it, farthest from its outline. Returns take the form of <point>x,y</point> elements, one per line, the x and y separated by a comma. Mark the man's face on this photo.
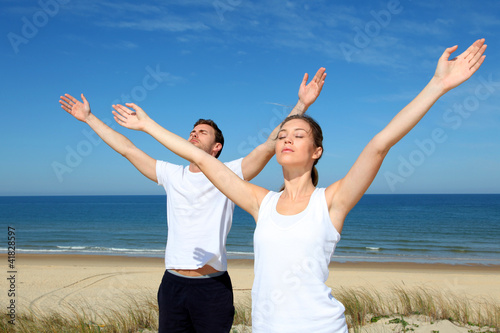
<point>203,137</point>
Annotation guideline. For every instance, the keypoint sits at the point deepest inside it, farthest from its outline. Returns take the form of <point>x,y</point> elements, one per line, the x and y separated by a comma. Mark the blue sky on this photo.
<point>240,63</point>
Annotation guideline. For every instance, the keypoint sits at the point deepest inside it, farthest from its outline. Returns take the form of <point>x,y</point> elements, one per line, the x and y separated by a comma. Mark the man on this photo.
<point>195,294</point>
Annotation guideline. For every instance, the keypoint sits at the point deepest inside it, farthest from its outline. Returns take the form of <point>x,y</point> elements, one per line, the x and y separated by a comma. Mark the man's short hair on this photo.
<point>218,133</point>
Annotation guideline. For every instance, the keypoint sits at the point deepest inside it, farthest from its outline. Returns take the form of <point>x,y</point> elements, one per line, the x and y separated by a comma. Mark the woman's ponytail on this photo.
<point>314,176</point>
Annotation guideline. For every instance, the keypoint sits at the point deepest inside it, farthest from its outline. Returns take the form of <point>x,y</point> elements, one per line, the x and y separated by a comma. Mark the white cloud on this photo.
<point>121,45</point>
<point>170,24</point>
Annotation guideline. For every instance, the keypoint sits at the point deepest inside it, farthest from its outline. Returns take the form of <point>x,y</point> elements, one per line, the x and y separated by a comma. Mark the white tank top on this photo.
<point>292,254</point>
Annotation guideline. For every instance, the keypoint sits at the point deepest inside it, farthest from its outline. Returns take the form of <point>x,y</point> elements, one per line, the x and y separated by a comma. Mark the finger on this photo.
<point>323,77</point>
<point>119,117</point>
<point>71,98</point>
<point>319,74</point>
<point>65,102</point>
<point>118,121</point>
<point>134,106</point>
<point>478,64</point>
<point>126,111</point>
<point>130,105</point>
<point>322,82</point>
<point>447,53</point>
<point>121,110</point>
<point>473,49</point>
<point>84,99</point>
<point>478,55</point>
<point>65,106</point>
<point>304,79</point>
<point>65,99</point>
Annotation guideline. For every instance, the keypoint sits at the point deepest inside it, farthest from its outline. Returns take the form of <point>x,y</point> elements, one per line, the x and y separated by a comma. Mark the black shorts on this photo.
<point>195,305</point>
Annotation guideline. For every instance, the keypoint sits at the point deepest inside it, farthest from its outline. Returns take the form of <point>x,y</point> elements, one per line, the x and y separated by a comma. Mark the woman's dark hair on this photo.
<point>218,133</point>
<point>317,135</point>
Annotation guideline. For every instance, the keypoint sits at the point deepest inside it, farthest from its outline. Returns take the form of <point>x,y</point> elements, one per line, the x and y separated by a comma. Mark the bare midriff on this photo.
<point>207,269</point>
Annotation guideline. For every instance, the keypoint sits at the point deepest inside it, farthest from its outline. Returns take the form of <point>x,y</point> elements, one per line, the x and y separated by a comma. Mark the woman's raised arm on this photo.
<point>343,195</point>
<point>242,193</point>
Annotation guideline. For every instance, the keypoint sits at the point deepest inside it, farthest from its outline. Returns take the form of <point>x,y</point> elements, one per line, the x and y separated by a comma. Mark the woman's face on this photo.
<point>295,144</point>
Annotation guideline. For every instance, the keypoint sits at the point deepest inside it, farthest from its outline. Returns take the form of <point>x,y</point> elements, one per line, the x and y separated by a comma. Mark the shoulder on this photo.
<point>166,167</point>
<point>235,166</point>
<point>318,198</point>
<point>267,200</point>
<point>234,163</point>
<point>266,196</point>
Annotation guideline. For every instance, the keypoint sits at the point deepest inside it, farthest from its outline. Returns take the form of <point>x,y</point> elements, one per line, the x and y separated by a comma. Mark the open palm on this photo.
<point>77,109</point>
<point>454,72</point>
<point>308,93</point>
<point>134,118</point>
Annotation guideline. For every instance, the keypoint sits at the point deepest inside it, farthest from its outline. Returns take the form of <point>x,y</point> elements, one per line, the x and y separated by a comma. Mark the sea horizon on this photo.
<point>162,195</point>
<point>459,229</point>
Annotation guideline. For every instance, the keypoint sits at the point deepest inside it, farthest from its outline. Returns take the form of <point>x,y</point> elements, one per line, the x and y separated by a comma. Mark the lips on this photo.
<point>287,150</point>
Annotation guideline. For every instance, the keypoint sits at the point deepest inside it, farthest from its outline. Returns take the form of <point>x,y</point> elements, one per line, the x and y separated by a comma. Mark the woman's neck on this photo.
<point>297,184</point>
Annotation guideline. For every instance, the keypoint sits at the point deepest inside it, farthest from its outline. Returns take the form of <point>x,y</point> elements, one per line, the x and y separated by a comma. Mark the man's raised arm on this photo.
<point>81,111</point>
<point>256,160</point>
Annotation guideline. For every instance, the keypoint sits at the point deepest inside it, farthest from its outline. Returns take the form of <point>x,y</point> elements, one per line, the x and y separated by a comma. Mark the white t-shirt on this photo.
<point>292,254</point>
<point>199,217</point>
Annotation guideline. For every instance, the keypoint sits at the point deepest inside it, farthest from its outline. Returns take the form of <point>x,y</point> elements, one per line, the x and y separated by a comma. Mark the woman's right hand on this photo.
<point>135,119</point>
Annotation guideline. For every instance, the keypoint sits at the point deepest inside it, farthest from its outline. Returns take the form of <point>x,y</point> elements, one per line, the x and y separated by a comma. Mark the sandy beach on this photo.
<point>59,282</point>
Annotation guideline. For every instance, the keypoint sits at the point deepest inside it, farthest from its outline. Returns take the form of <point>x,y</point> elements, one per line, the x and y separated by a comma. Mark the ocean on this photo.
<point>446,228</point>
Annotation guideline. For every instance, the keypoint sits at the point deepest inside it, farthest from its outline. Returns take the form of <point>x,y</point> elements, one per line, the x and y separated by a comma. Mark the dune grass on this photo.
<point>362,305</point>
<point>132,316</point>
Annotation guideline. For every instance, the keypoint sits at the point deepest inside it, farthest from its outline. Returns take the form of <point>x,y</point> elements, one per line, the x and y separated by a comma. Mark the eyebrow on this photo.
<point>295,129</point>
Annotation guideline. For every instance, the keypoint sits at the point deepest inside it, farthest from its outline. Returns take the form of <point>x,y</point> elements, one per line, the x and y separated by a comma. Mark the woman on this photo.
<point>299,227</point>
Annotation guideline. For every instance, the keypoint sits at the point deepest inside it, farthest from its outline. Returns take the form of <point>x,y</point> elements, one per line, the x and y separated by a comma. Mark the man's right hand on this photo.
<point>308,92</point>
<point>77,109</point>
